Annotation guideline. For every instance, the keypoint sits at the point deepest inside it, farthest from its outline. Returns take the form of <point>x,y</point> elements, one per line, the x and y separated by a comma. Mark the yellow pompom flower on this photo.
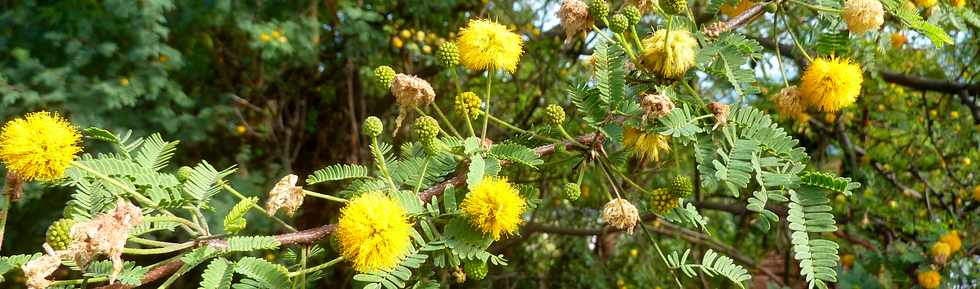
<point>732,11</point>
<point>940,251</point>
<point>952,238</point>
<point>957,3</point>
<point>976,193</point>
<point>39,146</point>
<point>494,207</point>
<point>830,84</point>
<point>647,145</point>
<point>925,3</point>
<point>484,44</point>
<point>374,232</point>
<point>928,279</point>
<point>863,15</point>
<point>669,58</point>
<point>898,39</point>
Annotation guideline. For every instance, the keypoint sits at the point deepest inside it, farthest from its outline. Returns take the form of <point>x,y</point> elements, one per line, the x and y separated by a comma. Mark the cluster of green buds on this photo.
<point>618,23</point>
<point>372,126</point>
<point>468,104</point>
<point>59,234</point>
<point>599,9</point>
<point>665,199</point>
<point>571,191</point>
<point>476,269</point>
<point>632,14</point>
<point>555,115</point>
<point>448,54</point>
<point>384,75</point>
<point>674,7</point>
<point>681,187</point>
<point>427,130</point>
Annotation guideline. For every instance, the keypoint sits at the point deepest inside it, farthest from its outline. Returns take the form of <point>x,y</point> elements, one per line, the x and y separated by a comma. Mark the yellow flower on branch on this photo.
<point>952,238</point>
<point>646,145</point>
<point>484,45</point>
<point>830,84</point>
<point>929,279</point>
<point>39,146</point>
<point>669,56</point>
<point>374,232</point>
<point>494,207</point>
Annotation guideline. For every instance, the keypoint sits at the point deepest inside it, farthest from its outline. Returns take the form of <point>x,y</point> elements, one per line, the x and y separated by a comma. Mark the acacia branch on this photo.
<point>315,234</point>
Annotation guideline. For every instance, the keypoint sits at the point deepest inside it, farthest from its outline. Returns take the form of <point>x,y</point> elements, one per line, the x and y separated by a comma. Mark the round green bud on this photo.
<point>384,75</point>
<point>681,187</point>
<point>372,126</point>
<point>662,201</point>
<point>448,54</point>
<point>433,146</point>
<point>571,191</point>
<point>632,14</point>
<point>674,7</point>
<point>598,9</point>
<point>618,23</point>
<point>59,234</point>
<point>184,173</point>
<point>467,104</point>
<point>554,114</point>
<point>771,7</point>
<point>476,269</point>
<point>426,128</point>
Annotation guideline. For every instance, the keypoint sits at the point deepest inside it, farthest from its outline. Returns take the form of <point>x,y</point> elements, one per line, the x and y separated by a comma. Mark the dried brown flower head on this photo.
<point>37,271</point>
<point>714,30</point>
<point>788,104</point>
<point>105,234</point>
<point>720,111</point>
<point>658,105</point>
<point>410,92</point>
<point>285,195</point>
<point>574,16</point>
<point>621,214</point>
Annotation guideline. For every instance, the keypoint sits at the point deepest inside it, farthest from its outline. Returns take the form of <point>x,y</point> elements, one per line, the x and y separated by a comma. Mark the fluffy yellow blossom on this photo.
<point>485,45</point>
<point>847,260</point>
<point>732,11</point>
<point>863,15</point>
<point>669,58</point>
<point>952,238</point>
<point>830,84</point>
<point>374,232</point>
<point>925,3</point>
<point>39,146</point>
<point>647,145</point>
<point>957,3</point>
<point>928,279</point>
<point>976,193</point>
<point>494,207</point>
<point>898,39</point>
<point>940,251</point>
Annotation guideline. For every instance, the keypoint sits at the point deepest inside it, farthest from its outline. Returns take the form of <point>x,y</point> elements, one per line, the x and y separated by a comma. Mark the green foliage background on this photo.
<point>200,72</point>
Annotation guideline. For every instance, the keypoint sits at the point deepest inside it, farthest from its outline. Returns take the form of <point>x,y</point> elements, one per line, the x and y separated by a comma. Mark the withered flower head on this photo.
<point>410,92</point>
<point>621,214</point>
<point>285,195</point>
<point>37,271</point>
<point>105,234</point>
<point>574,16</point>
<point>658,105</point>
<point>720,111</point>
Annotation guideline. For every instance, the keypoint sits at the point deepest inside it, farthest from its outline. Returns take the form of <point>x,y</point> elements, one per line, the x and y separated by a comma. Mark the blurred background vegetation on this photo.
<point>275,87</point>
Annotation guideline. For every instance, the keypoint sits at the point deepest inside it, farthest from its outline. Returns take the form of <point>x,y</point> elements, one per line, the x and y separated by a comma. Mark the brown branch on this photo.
<point>661,228</point>
<point>312,235</point>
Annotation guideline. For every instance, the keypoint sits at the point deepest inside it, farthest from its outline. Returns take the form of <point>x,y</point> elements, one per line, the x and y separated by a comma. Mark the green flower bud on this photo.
<point>555,115</point>
<point>771,7</point>
<point>571,191</point>
<point>681,187</point>
<point>598,9</point>
<point>372,126</point>
<point>632,14</point>
<point>467,104</point>
<point>662,201</point>
<point>448,54</point>
<point>59,234</point>
<point>476,269</point>
<point>675,7</point>
<point>618,23</point>
<point>384,75</point>
<point>184,173</point>
<point>426,128</point>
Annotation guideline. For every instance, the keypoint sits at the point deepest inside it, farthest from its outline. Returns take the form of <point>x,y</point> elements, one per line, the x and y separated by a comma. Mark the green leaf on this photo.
<point>267,274</point>
<point>516,153</point>
<point>235,221</point>
<point>155,153</point>
<point>337,172</point>
<point>476,169</point>
<point>217,275</point>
